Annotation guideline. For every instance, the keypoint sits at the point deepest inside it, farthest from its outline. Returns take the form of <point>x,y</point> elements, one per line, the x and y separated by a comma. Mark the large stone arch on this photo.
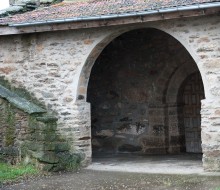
<point>83,107</point>
<point>86,70</point>
<point>177,79</point>
<point>81,91</point>
<point>173,96</point>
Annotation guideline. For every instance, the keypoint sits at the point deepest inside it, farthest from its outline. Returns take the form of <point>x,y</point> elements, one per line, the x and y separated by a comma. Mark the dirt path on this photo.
<point>103,180</point>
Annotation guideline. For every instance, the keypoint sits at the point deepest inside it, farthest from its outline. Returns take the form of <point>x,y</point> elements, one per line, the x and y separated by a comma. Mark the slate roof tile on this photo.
<point>95,8</point>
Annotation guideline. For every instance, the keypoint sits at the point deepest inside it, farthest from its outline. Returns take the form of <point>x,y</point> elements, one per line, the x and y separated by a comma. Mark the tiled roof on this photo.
<point>96,8</point>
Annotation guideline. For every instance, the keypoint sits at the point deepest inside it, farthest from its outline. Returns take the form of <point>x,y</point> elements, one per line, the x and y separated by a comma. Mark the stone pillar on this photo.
<point>210,114</point>
<point>82,129</point>
<point>158,130</point>
<point>175,128</point>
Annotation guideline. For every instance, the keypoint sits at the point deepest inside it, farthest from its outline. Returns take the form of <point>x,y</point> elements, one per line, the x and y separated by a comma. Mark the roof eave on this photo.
<point>115,21</point>
<point>122,15</point>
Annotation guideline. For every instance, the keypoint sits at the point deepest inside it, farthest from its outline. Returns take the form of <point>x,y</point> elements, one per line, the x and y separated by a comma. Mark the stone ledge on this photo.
<point>19,102</point>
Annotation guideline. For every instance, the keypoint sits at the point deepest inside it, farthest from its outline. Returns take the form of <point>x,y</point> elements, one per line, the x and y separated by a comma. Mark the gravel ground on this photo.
<point>99,180</point>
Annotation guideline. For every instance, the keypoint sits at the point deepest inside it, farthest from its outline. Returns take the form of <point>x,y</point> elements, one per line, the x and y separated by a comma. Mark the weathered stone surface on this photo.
<point>68,161</point>
<point>25,137</point>
<point>13,129</point>
<point>19,102</point>
<point>41,126</point>
<point>47,119</point>
<point>61,147</point>
<point>211,164</point>
<point>47,167</point>
<point>46,157</point>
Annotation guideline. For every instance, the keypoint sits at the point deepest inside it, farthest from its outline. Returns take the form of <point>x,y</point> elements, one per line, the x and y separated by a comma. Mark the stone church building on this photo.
<point>110,77</point>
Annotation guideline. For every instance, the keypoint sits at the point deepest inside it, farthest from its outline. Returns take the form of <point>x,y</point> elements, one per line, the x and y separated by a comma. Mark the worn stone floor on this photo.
<point>131,172</point>
<point>159,164</point>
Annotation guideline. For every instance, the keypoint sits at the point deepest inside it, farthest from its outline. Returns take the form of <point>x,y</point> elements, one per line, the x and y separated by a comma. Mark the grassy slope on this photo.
<point>9,172</point>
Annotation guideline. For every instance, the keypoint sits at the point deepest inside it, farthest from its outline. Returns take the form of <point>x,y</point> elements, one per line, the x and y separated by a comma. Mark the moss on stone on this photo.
<point>47,167</point>
<point>42,145</point>
<point>48,157</point>
<point>68,161</point>
<point>43,125</point>
<point>21,92</point>
<point>47,119</point>
<point>10,130</point>
<point>20,102</point>
<point>61,147</point>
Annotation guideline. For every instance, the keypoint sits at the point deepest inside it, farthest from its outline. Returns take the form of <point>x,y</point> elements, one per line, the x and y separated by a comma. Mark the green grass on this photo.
<point>12,172</point>
<point>218,188</point>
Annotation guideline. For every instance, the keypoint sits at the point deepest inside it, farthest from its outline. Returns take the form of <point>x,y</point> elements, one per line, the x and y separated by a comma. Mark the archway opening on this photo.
<point>189,99</point>
<point>137,90</point>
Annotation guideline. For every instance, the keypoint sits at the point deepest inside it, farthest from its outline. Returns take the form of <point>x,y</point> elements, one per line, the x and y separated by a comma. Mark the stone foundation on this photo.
<point>210,134</point>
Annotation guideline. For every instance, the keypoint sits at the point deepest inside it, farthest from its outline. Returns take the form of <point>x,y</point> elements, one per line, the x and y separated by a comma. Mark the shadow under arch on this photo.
<point>174,99</point>
<point>189,116</point>
<point>177,80</point>
<point>81,90</point>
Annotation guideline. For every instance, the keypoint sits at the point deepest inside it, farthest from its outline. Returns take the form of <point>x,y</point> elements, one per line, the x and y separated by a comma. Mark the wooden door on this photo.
<point>192,95</point>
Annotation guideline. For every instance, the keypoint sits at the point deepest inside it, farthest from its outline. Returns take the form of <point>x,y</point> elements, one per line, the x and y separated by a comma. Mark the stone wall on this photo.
<point>52,81</point>
<point>13,130</point>
<point>29,135</point>
<point>55,68</point>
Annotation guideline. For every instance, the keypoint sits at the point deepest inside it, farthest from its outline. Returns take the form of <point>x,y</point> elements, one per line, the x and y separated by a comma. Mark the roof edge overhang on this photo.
<point>122,15</point>
<point>112,20</point>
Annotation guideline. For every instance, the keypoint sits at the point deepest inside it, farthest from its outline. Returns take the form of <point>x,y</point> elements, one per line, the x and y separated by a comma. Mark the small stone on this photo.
<point>47,167</point>
<point>68,99</point>
<point>48,157</point>
<point>61,147</point>
<point>47,95</point>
